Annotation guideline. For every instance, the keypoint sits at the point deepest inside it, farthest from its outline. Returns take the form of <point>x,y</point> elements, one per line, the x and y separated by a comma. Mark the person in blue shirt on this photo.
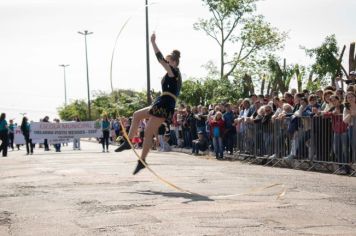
<point>11,134</point>
<point>162,109</point>
<point>230,129</point>
<point>25,129</point>
<point>105,127</point>
<point>4,134</point>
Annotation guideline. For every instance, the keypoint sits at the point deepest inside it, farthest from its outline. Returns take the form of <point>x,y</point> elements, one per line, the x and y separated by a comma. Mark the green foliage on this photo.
<point>129,102</point>
<point>209,91</point>
<point>300,73</point>
<point>192,92</point>
<point>326,64</point>
<point>229,7</point>
<point>236,29</point>
<point>258,34</point>
<point>77,108</point>
<point>313,85</point>
<point>119,102</point>
<point>282,77</point>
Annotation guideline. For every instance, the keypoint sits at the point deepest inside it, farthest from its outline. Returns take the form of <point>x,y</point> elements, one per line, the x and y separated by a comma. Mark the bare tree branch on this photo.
<point>233,27</point>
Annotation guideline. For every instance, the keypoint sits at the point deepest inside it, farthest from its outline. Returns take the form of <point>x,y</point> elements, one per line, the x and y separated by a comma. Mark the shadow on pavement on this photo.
<point>191,197</point>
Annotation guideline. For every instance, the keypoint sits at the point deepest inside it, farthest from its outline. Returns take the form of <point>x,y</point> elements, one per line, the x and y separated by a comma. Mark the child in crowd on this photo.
<point>200,144</point>
<point>217,131</point>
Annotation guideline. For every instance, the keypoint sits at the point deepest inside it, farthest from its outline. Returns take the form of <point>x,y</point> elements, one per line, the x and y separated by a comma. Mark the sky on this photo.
<point>36,36</point>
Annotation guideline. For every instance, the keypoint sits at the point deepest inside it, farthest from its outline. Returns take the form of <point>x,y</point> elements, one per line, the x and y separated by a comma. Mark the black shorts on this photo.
<point>163,107</point>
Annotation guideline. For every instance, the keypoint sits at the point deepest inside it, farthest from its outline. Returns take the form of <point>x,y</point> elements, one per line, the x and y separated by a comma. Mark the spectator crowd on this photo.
<point>315,125</point>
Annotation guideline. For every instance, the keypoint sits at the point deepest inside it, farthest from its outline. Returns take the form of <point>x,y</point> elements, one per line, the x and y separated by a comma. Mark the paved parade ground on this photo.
<point>88,192</point>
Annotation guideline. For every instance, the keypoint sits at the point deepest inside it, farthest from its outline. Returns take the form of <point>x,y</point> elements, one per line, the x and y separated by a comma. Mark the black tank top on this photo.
<point>172,84</point>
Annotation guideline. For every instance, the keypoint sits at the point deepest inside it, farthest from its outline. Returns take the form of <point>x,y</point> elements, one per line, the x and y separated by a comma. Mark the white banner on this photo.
<point>18,136</point>
<point>20,139</point>
<point>62,132</point>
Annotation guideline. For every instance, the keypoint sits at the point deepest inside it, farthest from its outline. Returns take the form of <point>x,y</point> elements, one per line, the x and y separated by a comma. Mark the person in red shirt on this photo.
<point>217,126</point>
<point>340,138</point>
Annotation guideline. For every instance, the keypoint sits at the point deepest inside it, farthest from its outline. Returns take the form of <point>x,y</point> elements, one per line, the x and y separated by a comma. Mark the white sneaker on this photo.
<point>107,150</point>
<point>288,158</point>
<point>272,157</point>
<point>103,150</point>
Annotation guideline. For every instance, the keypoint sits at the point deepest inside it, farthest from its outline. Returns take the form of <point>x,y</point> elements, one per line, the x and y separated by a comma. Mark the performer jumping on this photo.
<point>162,108</point>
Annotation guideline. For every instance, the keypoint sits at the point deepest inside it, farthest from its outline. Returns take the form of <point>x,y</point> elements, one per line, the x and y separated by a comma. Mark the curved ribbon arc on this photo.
<point>117,39</point>
<point>175,187</point>
<point>217,197</point>
<point>256,190</point>
<point>121,124</point>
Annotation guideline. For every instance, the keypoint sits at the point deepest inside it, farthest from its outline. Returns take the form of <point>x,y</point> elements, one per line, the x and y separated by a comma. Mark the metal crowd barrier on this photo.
<point>315,141</point>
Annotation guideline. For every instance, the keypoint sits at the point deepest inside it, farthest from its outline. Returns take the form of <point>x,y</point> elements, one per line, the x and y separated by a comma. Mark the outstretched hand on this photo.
<point>153,38</point>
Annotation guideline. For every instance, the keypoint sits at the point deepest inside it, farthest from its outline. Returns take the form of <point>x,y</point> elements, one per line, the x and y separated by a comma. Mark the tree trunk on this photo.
<point>338,71</point>
<point>299,78</point>
<point>263,85</point>
<point>310,80</point>
<point>281,77</point>
<point>352,58</point>
<point>269,87</point>
<point>248,87</point>
<point>222,59</point>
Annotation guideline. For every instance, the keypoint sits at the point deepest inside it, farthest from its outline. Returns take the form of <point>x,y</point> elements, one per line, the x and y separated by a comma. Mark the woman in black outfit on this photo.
<point>4,134</point>
<point>25,129</point>
<point>162,108</point>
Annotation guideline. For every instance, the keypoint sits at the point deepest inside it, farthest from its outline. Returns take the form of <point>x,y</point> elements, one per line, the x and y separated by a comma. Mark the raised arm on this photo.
<point>160,57</point>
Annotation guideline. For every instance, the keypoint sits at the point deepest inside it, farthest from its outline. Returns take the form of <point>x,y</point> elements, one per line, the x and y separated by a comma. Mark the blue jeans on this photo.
<point>218,146</point>
<point>340,146</point>
<point>352,142</point>
<point>57,146</point>
<point>267,142</point>
<point>187,136</point>
<point>76,143</point>
<point>173,137</point>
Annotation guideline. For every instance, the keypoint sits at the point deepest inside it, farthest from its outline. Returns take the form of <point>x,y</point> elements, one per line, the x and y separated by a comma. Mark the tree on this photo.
<point>234,27</point>
<point>208,91</point>
<point>280,78</point>
<point>192,92</point>
<point>300,73</point>
<point>117,103</point>
<point>76,108</point>
<point>326,63</point>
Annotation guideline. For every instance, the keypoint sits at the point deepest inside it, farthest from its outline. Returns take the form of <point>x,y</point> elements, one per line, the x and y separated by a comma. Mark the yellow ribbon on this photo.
<point>117,39</point>
<point>170,184</point>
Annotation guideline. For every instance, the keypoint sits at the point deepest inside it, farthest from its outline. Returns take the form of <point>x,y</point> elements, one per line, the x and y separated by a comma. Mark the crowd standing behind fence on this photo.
<point>314,127</point>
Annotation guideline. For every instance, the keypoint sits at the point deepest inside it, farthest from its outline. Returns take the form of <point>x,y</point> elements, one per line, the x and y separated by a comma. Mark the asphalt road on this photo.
<point>88,192</point>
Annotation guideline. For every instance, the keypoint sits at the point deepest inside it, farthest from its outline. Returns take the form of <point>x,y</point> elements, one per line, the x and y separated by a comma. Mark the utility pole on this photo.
<point>65,83</point>
<point>149,99</point>
<point>85,33</point>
